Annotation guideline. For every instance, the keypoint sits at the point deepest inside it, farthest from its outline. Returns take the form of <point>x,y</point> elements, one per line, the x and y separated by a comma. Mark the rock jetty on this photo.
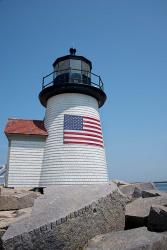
<point>115,216</point>
<point>134,239</point>
<point>66,217</point>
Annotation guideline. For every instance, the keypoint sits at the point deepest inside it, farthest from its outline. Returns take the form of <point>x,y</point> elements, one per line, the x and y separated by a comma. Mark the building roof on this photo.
<point>25,127</point>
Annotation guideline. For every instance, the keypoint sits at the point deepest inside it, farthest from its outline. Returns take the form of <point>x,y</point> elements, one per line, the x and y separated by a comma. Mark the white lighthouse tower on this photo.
<point>74,152</point>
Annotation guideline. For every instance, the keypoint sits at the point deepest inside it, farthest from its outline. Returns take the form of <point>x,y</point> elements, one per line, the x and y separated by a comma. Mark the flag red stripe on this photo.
<point>87,143</point>
<point>81,138</point>
<point>90,130</point>
<point>94,123</point>
<point>77,133</point>
<point>91,118</point>
<point>89,126</point>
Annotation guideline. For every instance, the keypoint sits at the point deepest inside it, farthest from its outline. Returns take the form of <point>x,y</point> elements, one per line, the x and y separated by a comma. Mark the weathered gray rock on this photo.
<point>1,244</point>
<point>2,231</point>
<point>11,199</point>
<point>120,182</point>
<point>134,239</point>
<point>150,193</point>
<point>9,217</point>
<point>66,217</point>
<point>129,188</point>
<point>145,193</point>
<point>141,207</point>
<point>138,210</point>
<point>137,193</point>
<point>157,219</point>
<point>145,185</point>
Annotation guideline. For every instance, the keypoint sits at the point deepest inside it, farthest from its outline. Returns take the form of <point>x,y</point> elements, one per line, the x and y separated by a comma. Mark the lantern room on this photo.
<point>72,69</point>
<point>72,74</point>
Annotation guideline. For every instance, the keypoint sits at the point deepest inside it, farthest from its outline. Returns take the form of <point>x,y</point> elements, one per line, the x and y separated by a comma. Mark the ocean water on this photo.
<point>162,186</point>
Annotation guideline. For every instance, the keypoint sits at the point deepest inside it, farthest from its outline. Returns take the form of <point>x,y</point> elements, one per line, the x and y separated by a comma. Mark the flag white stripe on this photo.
<point>79,136</point>
<point>90,124</point>
<point>93,122</point>
<point>83,134</point>
<point>80,131</point>
<point>74,140</point>
<point>97,130</point>
<point>93,131</point>
<point>91,118</point>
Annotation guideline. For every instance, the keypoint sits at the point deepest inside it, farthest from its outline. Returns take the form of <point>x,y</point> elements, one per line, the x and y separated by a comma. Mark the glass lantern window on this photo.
<point>62,67</point>
<point>85,69</point>
<point>72,71</point>
<point>75,66</point>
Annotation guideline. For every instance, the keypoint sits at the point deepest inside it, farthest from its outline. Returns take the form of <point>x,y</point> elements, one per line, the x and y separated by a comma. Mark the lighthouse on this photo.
<point>74,151</point>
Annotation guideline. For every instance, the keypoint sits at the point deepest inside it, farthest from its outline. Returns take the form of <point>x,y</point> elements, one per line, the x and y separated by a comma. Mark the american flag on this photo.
<point>82,130</point>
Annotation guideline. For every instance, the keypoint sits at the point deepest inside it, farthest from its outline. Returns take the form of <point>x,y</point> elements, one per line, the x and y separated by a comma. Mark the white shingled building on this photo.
<point>25,152</point>
<point>67,147</point>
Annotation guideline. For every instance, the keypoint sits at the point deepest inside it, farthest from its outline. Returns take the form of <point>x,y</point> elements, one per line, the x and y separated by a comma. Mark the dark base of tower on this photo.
<point>57,89</point>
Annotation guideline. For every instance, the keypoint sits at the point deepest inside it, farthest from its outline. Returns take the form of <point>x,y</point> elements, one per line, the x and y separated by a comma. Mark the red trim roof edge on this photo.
<point>25,127</point>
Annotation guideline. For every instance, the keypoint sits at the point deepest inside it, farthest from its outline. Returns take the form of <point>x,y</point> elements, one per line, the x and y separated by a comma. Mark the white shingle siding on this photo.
<point>25,161</point>
<point>71,163</point>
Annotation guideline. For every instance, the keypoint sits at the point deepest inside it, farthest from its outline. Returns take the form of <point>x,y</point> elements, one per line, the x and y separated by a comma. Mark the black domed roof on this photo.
<point>72,56</point>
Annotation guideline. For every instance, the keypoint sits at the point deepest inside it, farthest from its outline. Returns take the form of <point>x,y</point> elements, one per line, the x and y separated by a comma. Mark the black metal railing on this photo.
<point>72,76</point>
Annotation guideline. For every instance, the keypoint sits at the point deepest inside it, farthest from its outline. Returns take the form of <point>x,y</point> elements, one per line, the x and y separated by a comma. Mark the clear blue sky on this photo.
<point>126,40</point>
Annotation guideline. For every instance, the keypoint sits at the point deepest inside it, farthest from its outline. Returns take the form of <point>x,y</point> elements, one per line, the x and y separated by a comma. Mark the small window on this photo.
<point>85,69</point>
<point>62,67</point>
<point>75,64</point>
